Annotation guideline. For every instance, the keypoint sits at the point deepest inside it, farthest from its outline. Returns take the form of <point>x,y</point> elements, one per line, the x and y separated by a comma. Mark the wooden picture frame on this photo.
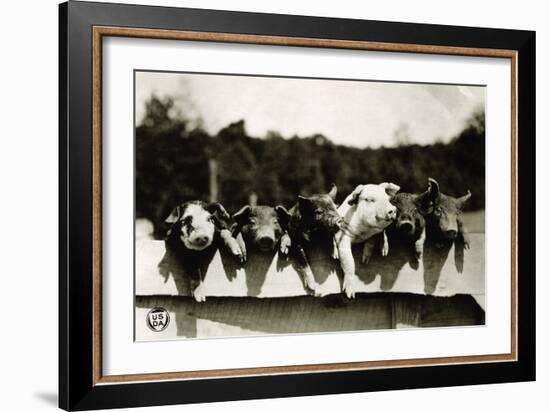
<point>82,385</point>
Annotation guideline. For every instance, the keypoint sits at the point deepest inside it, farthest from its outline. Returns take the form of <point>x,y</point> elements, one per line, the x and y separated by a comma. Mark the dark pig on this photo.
<point>443,223</point>
<point>262,228</point>
<point>313,219</point>
<point>410,225</point>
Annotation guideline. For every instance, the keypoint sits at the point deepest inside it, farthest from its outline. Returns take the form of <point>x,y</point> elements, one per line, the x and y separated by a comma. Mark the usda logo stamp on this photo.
<point>158,319</point>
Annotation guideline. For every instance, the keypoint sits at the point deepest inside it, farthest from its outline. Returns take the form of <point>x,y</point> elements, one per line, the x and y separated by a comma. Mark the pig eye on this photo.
<point>253,220</point>
<point>318,212</point>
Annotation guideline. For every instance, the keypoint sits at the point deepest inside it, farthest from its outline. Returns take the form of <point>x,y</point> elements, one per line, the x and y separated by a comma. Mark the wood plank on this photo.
<point>246,316</point>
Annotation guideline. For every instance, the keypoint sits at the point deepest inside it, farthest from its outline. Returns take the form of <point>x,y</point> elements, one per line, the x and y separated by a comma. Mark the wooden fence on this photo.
<point>266,295</point>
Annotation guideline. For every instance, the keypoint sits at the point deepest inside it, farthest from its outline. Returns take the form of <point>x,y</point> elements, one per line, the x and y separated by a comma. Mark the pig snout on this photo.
<point>265,238</point>
<point>201,240</point>
<point>449,229</point>
<point>266,242</point>
<point>336,222</point>
<point>450,233</point>
<point>198,242</point>
<point>406,225</point>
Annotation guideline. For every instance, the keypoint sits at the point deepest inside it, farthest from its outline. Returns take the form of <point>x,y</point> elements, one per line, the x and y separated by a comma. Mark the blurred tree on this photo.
<point>172,156</point>
<point>238,168</point>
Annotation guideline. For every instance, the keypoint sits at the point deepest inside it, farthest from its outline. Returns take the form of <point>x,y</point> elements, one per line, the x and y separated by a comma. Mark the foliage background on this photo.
<point>173,154</point>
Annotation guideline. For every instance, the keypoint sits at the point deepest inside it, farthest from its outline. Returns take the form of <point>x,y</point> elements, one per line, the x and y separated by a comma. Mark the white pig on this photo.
<point>367,211</point>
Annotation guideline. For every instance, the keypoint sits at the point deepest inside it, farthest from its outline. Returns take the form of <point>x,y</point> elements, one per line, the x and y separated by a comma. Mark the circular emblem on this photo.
<point>158,319</point>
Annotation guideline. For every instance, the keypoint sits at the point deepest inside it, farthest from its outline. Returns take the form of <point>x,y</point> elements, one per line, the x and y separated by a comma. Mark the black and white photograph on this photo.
<point>272,205</point>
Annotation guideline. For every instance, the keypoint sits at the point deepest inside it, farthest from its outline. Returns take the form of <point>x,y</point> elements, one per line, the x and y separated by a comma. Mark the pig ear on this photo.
<point>424,202</point>
<point>217,208</point>
<point>242,215</point>
<point>461,201</point>
<point>333,191</point>
<point>283,215</point>
<point>174,215</point>
<point>354,196</point>
<point>304,202</point>
<point>433,188</point>
<point>390,188</point>
<point>240,219</point>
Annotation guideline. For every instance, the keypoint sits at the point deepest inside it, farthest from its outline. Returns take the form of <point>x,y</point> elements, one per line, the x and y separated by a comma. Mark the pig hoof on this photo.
<point>284,249</point>
<point>350,286</point>
<point>466,245</point>
<point>199,294</point>
<point>314,287</point>
<point>285,244</point>
<point>241,255</point>
<point>385,250</point>
<point>350,292</point>
<point>317,292</point>
<point>314,290</point>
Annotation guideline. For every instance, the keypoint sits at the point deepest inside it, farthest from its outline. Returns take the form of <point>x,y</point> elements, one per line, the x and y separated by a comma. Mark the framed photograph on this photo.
<point>256,205</point>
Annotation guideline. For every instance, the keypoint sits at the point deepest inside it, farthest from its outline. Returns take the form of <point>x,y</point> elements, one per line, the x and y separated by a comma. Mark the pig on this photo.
<point>262,228</point>
<point>313,220</point>
<point>410,224</point>
<point>443,223</point>
<point>196,230</point>
<point>366,211</point>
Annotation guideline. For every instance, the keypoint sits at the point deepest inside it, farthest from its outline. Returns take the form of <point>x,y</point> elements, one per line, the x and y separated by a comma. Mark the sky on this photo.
<point>349,112</point>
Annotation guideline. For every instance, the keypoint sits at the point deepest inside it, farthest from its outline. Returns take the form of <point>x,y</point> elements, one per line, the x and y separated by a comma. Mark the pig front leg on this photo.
<point>242,245</point>
<point>419,245</point>
<point>305,271</point>
<point>462,231</point>
<point>284,244</point>
<point>196,287</point>
<point>231,243</point>
<point>384,245</point>
<point>351,281</point>
<point>335,254</point>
